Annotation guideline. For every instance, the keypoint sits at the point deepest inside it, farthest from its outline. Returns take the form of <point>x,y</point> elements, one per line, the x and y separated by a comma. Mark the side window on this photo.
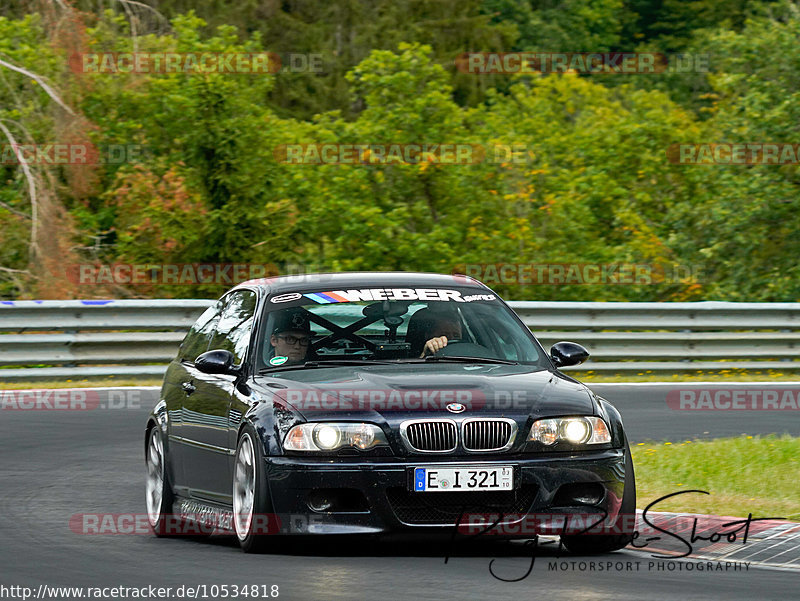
<point>196,341</point>
<point>235,324</point>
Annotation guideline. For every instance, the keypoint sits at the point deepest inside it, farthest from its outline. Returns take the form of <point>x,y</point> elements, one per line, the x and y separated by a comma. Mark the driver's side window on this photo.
<point>196,341</point>
<point>232,332</point>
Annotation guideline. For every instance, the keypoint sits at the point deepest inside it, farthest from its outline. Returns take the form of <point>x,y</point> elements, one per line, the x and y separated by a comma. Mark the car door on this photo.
<point>178,379</point>
<point>208,450</point>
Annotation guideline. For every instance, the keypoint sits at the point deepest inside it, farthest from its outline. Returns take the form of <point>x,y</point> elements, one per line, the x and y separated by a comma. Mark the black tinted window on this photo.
<point>235,324</point>
<point>196,341</point>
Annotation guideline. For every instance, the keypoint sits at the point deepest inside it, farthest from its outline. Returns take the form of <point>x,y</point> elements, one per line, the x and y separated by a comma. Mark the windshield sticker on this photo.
<point>397,294</point>
<point>279,360</point>
<point>285,298</point>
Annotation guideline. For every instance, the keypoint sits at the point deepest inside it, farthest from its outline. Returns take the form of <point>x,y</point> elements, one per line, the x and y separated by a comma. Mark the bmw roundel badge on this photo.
<point>455,407</point>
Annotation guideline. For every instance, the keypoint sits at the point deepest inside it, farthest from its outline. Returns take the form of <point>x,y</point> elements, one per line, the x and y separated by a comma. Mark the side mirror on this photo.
<point>565,354</point>
<point>216,362</point>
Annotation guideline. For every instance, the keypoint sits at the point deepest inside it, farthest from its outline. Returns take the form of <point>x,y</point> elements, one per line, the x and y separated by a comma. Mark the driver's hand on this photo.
<point>434,345</point>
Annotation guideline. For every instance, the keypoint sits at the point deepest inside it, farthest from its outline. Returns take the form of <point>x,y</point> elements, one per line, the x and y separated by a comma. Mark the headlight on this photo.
<point>326,437</point>
<point>332,436</point>
<point>574,430</point>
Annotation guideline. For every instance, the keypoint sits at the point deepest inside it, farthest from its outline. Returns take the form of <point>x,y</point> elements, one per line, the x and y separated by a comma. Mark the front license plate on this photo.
<point>463,478</point>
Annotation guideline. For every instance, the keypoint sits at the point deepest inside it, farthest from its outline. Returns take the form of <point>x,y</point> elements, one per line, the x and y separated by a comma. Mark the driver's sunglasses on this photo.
<point>292,340</point>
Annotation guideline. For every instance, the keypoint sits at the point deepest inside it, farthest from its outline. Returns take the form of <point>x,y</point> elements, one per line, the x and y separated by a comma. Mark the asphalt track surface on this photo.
<point>647,416</point>
<point>57,464</point>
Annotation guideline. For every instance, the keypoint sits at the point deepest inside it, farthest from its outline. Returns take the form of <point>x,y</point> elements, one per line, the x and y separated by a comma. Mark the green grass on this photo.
<point>757,474</point>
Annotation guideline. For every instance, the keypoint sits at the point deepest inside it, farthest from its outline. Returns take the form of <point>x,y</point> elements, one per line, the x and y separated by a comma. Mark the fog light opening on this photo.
<point>318,501</point>
<point>579,494</point>
<point>337,500</point>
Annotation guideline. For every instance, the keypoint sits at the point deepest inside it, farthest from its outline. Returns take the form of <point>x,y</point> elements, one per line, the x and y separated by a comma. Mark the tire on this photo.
<point>251,501</point>
<point>593,544</point>
<point>158,492</point>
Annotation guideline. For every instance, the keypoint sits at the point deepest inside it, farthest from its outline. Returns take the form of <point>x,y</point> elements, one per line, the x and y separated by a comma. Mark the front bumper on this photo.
<point>389,507</point>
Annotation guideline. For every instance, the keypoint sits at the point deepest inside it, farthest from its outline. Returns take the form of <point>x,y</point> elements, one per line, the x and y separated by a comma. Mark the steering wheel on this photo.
<point>457,348</point>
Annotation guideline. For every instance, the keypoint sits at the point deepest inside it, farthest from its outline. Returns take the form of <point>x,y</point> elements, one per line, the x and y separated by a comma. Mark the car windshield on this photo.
<point>344,325</point>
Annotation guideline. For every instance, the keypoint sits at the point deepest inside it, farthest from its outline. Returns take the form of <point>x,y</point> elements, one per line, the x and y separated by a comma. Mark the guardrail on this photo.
<point>136,338</point>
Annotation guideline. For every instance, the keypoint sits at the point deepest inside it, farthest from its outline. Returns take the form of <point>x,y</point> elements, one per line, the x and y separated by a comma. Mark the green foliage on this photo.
<point>212,130</point>
<point>25,113</point>
<point>672,24</point>
<point>747,230</point>
<point>571,26</point>
<point>592,184</point>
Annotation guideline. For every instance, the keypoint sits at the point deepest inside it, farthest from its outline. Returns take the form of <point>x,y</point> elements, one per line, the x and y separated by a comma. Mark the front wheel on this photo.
<point>594,544</point>
<point>251,504</point>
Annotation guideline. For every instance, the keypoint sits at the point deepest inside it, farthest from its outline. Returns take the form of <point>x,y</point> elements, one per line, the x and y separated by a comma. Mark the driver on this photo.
<point>445,327</point>
<point>291,338</point>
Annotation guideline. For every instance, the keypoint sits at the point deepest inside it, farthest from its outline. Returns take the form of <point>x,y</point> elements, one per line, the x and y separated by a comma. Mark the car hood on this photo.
<point>390,393</point>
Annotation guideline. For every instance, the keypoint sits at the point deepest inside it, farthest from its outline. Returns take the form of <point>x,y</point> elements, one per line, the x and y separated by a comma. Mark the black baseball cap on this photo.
<point>292,320</point>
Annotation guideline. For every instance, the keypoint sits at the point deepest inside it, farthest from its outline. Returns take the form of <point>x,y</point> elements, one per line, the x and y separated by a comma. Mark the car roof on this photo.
<point>308,282</point>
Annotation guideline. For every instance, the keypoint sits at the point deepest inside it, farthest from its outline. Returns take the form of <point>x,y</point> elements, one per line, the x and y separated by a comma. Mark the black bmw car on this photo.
<point>375,403</point>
